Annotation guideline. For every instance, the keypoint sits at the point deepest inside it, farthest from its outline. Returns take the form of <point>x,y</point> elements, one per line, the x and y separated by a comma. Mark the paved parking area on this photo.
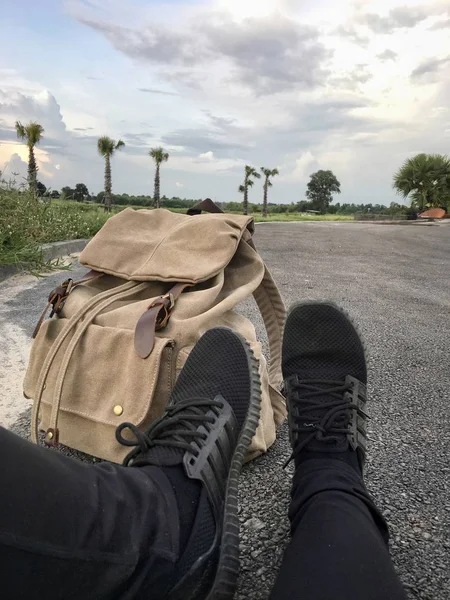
<point>395,281</point>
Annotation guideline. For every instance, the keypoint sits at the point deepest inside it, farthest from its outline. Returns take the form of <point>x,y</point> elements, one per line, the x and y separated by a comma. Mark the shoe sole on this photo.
<point>227,573</point>
<point>338,308</point>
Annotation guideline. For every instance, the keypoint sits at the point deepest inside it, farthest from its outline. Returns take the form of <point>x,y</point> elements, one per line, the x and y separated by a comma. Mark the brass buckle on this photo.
<point>163,318</point>
<point>171,299</point>
<point>59,295</point>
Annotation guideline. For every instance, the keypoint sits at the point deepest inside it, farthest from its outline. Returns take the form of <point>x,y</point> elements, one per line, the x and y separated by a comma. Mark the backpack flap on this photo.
<point>159,245</point>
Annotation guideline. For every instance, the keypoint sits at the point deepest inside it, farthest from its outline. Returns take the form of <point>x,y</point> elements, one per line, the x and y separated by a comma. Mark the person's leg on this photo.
<point>77,531</point>
<point>339,539</point>
<point>165,525</point>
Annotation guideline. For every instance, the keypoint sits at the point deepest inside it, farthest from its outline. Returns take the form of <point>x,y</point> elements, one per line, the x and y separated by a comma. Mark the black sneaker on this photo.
<point>325,376</point>
<point>200,442</point>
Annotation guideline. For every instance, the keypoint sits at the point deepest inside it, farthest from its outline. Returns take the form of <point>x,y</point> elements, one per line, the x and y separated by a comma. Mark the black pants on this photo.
<point>70,530</point>
<point>339,546</point>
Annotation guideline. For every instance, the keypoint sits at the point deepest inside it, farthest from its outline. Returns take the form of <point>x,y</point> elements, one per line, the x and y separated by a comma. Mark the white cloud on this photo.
<point>15,168</point>
<point>179,184</point>
<point>207,155</point>
<point>40,106</point>
<point>303,167</point>
<point>218,166</point>
<point>243,9</point>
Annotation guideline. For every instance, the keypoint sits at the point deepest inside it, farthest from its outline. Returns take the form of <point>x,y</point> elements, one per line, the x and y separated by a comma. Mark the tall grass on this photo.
<point>26,223</point>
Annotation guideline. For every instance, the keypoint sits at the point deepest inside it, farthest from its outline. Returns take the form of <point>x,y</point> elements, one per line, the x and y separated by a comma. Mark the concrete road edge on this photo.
<point>50,251</point>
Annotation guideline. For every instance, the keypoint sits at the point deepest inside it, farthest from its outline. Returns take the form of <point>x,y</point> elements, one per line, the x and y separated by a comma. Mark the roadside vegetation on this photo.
<point>424,179</point>
<point>27,222</point>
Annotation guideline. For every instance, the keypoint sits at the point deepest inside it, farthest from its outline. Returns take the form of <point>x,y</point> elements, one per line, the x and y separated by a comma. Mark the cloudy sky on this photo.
<point>355,86</point>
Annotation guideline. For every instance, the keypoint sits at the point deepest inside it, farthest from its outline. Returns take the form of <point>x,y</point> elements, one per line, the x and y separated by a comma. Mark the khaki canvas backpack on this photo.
<point>120,336</point>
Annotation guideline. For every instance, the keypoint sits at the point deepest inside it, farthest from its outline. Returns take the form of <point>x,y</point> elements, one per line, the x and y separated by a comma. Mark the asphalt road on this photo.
<point>395,281</point>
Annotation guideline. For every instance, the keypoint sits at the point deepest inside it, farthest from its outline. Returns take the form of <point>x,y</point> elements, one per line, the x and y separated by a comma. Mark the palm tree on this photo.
<point>443,181</point>
<point>32,135</point>
<point>106,148</point>
<point>159,156</point>
<point>425,178</point>
<point>268,173</point>
<point>248,182</point>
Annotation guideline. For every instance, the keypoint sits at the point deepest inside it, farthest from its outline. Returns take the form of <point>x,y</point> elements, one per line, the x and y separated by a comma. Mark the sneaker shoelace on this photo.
<point>178,427</point>
<point>324,421</point>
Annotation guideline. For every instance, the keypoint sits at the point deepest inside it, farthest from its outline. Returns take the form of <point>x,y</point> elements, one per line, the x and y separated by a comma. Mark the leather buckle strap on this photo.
<point>58,297</point>
<point>56,300</point>
<point>155,318</point>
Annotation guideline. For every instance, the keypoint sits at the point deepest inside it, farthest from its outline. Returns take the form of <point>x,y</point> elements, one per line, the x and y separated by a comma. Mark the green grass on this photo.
<point>26,224</point>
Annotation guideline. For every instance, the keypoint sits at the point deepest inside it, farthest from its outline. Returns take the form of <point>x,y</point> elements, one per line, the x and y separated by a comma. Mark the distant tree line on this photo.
<point>80,194</point>
<point>340,209</point>
<point>423,179</point>
<point>147,201</point>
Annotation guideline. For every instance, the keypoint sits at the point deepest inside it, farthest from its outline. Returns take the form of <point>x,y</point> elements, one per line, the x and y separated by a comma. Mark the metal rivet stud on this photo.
<point>118,410</point>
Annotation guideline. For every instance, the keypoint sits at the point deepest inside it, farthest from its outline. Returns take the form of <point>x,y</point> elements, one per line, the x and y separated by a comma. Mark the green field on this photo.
<point>95,209</point>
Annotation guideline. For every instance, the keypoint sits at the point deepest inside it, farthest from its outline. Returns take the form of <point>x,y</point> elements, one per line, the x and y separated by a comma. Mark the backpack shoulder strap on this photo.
<point>273,312</point>
<point>268,299</point>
